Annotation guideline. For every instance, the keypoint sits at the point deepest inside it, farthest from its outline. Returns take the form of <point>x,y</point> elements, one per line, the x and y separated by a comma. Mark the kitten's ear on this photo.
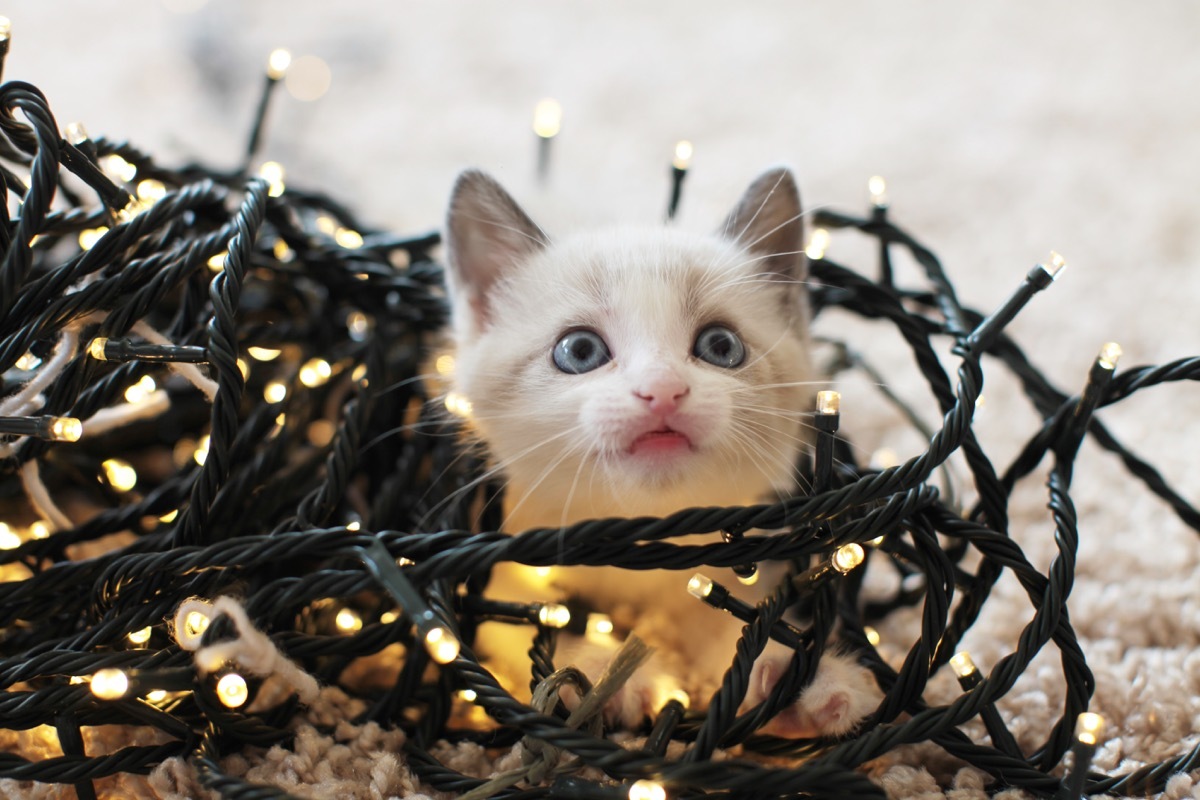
<point>766,221</point>
<point>486,234</point>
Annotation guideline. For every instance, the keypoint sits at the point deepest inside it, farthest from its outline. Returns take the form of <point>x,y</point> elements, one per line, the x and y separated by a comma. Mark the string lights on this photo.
<point>391,522</point>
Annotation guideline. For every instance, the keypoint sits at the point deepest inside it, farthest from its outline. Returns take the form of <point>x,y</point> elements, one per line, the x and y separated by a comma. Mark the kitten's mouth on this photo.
<point>663,440</point>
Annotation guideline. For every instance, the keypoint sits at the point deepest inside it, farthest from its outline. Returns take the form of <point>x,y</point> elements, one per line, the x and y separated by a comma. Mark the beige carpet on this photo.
<point>1003,131</point>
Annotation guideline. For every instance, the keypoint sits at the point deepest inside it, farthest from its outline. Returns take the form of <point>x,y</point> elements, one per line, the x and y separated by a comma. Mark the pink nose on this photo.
<point>662,393</point>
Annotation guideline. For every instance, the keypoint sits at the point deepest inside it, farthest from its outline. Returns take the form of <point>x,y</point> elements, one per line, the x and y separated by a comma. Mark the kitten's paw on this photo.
<point>840,695</point>
<point>640,697</point>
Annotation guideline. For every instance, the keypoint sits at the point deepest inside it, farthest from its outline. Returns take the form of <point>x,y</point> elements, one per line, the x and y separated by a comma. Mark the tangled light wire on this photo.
<point>224,372</point>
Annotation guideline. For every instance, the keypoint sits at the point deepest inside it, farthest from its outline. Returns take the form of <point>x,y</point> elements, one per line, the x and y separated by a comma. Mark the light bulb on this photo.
<point>75,133</point>
<point>195,624</point>
<point>444,364</point>
<point>110,684</point>
<point>388,617</point>
<point>554,615</point>
<point>441,644</point>
<point>818,243</point>
<point>683,154</point>
<point>9,540</point>
<point>217,263</point>
<point>599,626</point>
<point>157,696</point>
<point>872,635</point>
<point>169,516</point>
<point>359,326</point>
<point>647,790</point>
<point>315,372</point>
<point>828,402</point>
<point>141,636</point>
<point>748,580</point>
<point>682,697</point>
<point>348,238</point>
<point>348,621</point>
<point>700,586</point>
<point>847,557</point>
<point>138,392</point>
<point>282,251</point>
<point>547,118</point>
<point>39,529</point>
<point>28,362</point>
<point>458,405</point>
<point>1057,264</point>
<point>277,63</point>
<point>118,168</point>
<point>1089,727</point>
<point>272,172</point>
<point>120,474</point>
<point>232,690</point>
<point>89,236</point>
<point>1110,354</point>
<point>962,664</point>
<point>274,392</point>
<point>151,190</point>
<point>201,453</point>
<point>468,695</point>
<point>877,186</point>
<point>65,429</point>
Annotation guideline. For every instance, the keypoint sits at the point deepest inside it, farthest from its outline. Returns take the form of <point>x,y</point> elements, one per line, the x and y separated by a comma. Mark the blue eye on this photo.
<point>720,347</point>
<point>580,351</point>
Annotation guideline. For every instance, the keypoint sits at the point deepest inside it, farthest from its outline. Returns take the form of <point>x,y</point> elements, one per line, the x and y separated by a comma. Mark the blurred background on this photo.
<point>1003,130</point>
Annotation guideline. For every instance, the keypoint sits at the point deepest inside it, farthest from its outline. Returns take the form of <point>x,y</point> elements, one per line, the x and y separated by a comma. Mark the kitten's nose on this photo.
<point>662,393</point>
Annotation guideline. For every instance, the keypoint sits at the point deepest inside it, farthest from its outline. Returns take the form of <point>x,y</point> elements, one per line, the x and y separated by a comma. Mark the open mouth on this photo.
<point>663,440</point>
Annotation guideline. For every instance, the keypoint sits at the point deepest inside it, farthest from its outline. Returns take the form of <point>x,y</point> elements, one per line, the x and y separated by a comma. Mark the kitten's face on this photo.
<point>631,371</point>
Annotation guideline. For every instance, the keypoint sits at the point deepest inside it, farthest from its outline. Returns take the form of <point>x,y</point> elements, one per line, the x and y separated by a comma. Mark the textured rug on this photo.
<point>1003,131</point>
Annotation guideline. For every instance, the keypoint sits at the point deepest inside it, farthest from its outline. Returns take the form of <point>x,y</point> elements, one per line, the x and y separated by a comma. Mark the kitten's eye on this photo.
<point>580,351</point>
<point>719,346</point>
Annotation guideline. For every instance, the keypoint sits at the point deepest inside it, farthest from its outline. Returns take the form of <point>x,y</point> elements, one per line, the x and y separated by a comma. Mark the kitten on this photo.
<point>636,372</point>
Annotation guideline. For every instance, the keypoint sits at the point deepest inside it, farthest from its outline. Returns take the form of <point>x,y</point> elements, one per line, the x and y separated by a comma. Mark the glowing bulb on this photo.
<point>139,391</point>
<point>308,78</point>
<point>748,580</point>
<point>1089,727</point>
<point>359,325</point>
<point>263,353</point>
<point>195,623</point>
<point>39,529</point>
<point>140,637</point>
<point>877,187</point>
<point>217,263</point>
<point>65,429</point>
<point>458,405</point>
<point>89,236</point>
<point>441,644</point>
<point>348,621</point>
<point>8,538</point>
<point>75,133</point>
<point>315,372</point>
<point>120,474</point>
<point>599,626</point>
<point>27,362</point>
<point>1057,264</point>
<point>201,453</point>
<point>326,224</point>
<point>118,168</point>
<point>320,432</point>
<point>348,238</point>
<point>151,190</point>
<point>847,557</point>
<point>110,684</point>
<point>274,392</point>
<point>547,118</point>
<point>278,62</point>
<point>359,375</point>
<point>554,615</point>
<point>700,586</point>
<point>5,28</point>
<point>444,364</point>
<point>872,635</point>
<point>1110,354</point>
<point>232,690</point>
<point>169,516</point>
<point>683,154</point>
<point>818,243</point>
<point>353,525</point>
<point>962,664</point>
<point>157,696</point>
<point>828,402</point>
<point>678,695</point>
<point>272,173</point>
<point>647,790</point>
<point>388,617</point>
<point>244,367</point>
<point>469,695</point>
<point>402,561</point>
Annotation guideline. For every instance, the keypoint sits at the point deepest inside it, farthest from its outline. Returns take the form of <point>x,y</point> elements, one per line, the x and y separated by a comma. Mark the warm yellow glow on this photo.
<point>828,402</point>
<point>65,429</point>
<point>554,615</point>
<point>39,529</point>
<point>877,541</point>
<point>89,236</point>
<point>547,118</point>
<point>1057,264</point>
<point>353,525</point>
<point>403,561</point>
<point>700,586</point>
<point>359,325</point>
<point>441,644</point>
<point>138,392</point>
<point>326,224</point>
<point>200,455</point>
<point>9,540</point>
<point>151,190</point>
<point>96,348</point>
<point>962,664</point>
<point>1089,727</point>
<point>244,367</point>
<point>872,636</point>
<point>748,580</point>
<point>348,621</point>
<point>217,263</point>
<point>118,168</point>
<point>120,474</point>
<point>157,696</point>
<point>110,684</point>
<point>75,133</point>
<point>195,623</point>
<point>348,238</point>
<point>315,372</point>
<point>232,690</point>
<point>647,790</point>
<point>27,362</point>
<point>359,374</point>
<point>274,392</point>
<point>1110,354</point>
<point>818,243</point>
<point>683,154</point>
<point>444,364</point>
<point>169,516</point>
<point>680,696</point>
<point>140,637</point>
<point>847,557</point>
<point>5,28</point>
<point>458,405</point>
<point>877,186</point>
<point>388,617</point>
<point>263,353</point>
<point>308,78</point>
<point>321,432</point>
<point>599,626</point>
<point>469,695</point>
<point>278,62</point>
<point>272,172</point>
<point>543,572</point>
